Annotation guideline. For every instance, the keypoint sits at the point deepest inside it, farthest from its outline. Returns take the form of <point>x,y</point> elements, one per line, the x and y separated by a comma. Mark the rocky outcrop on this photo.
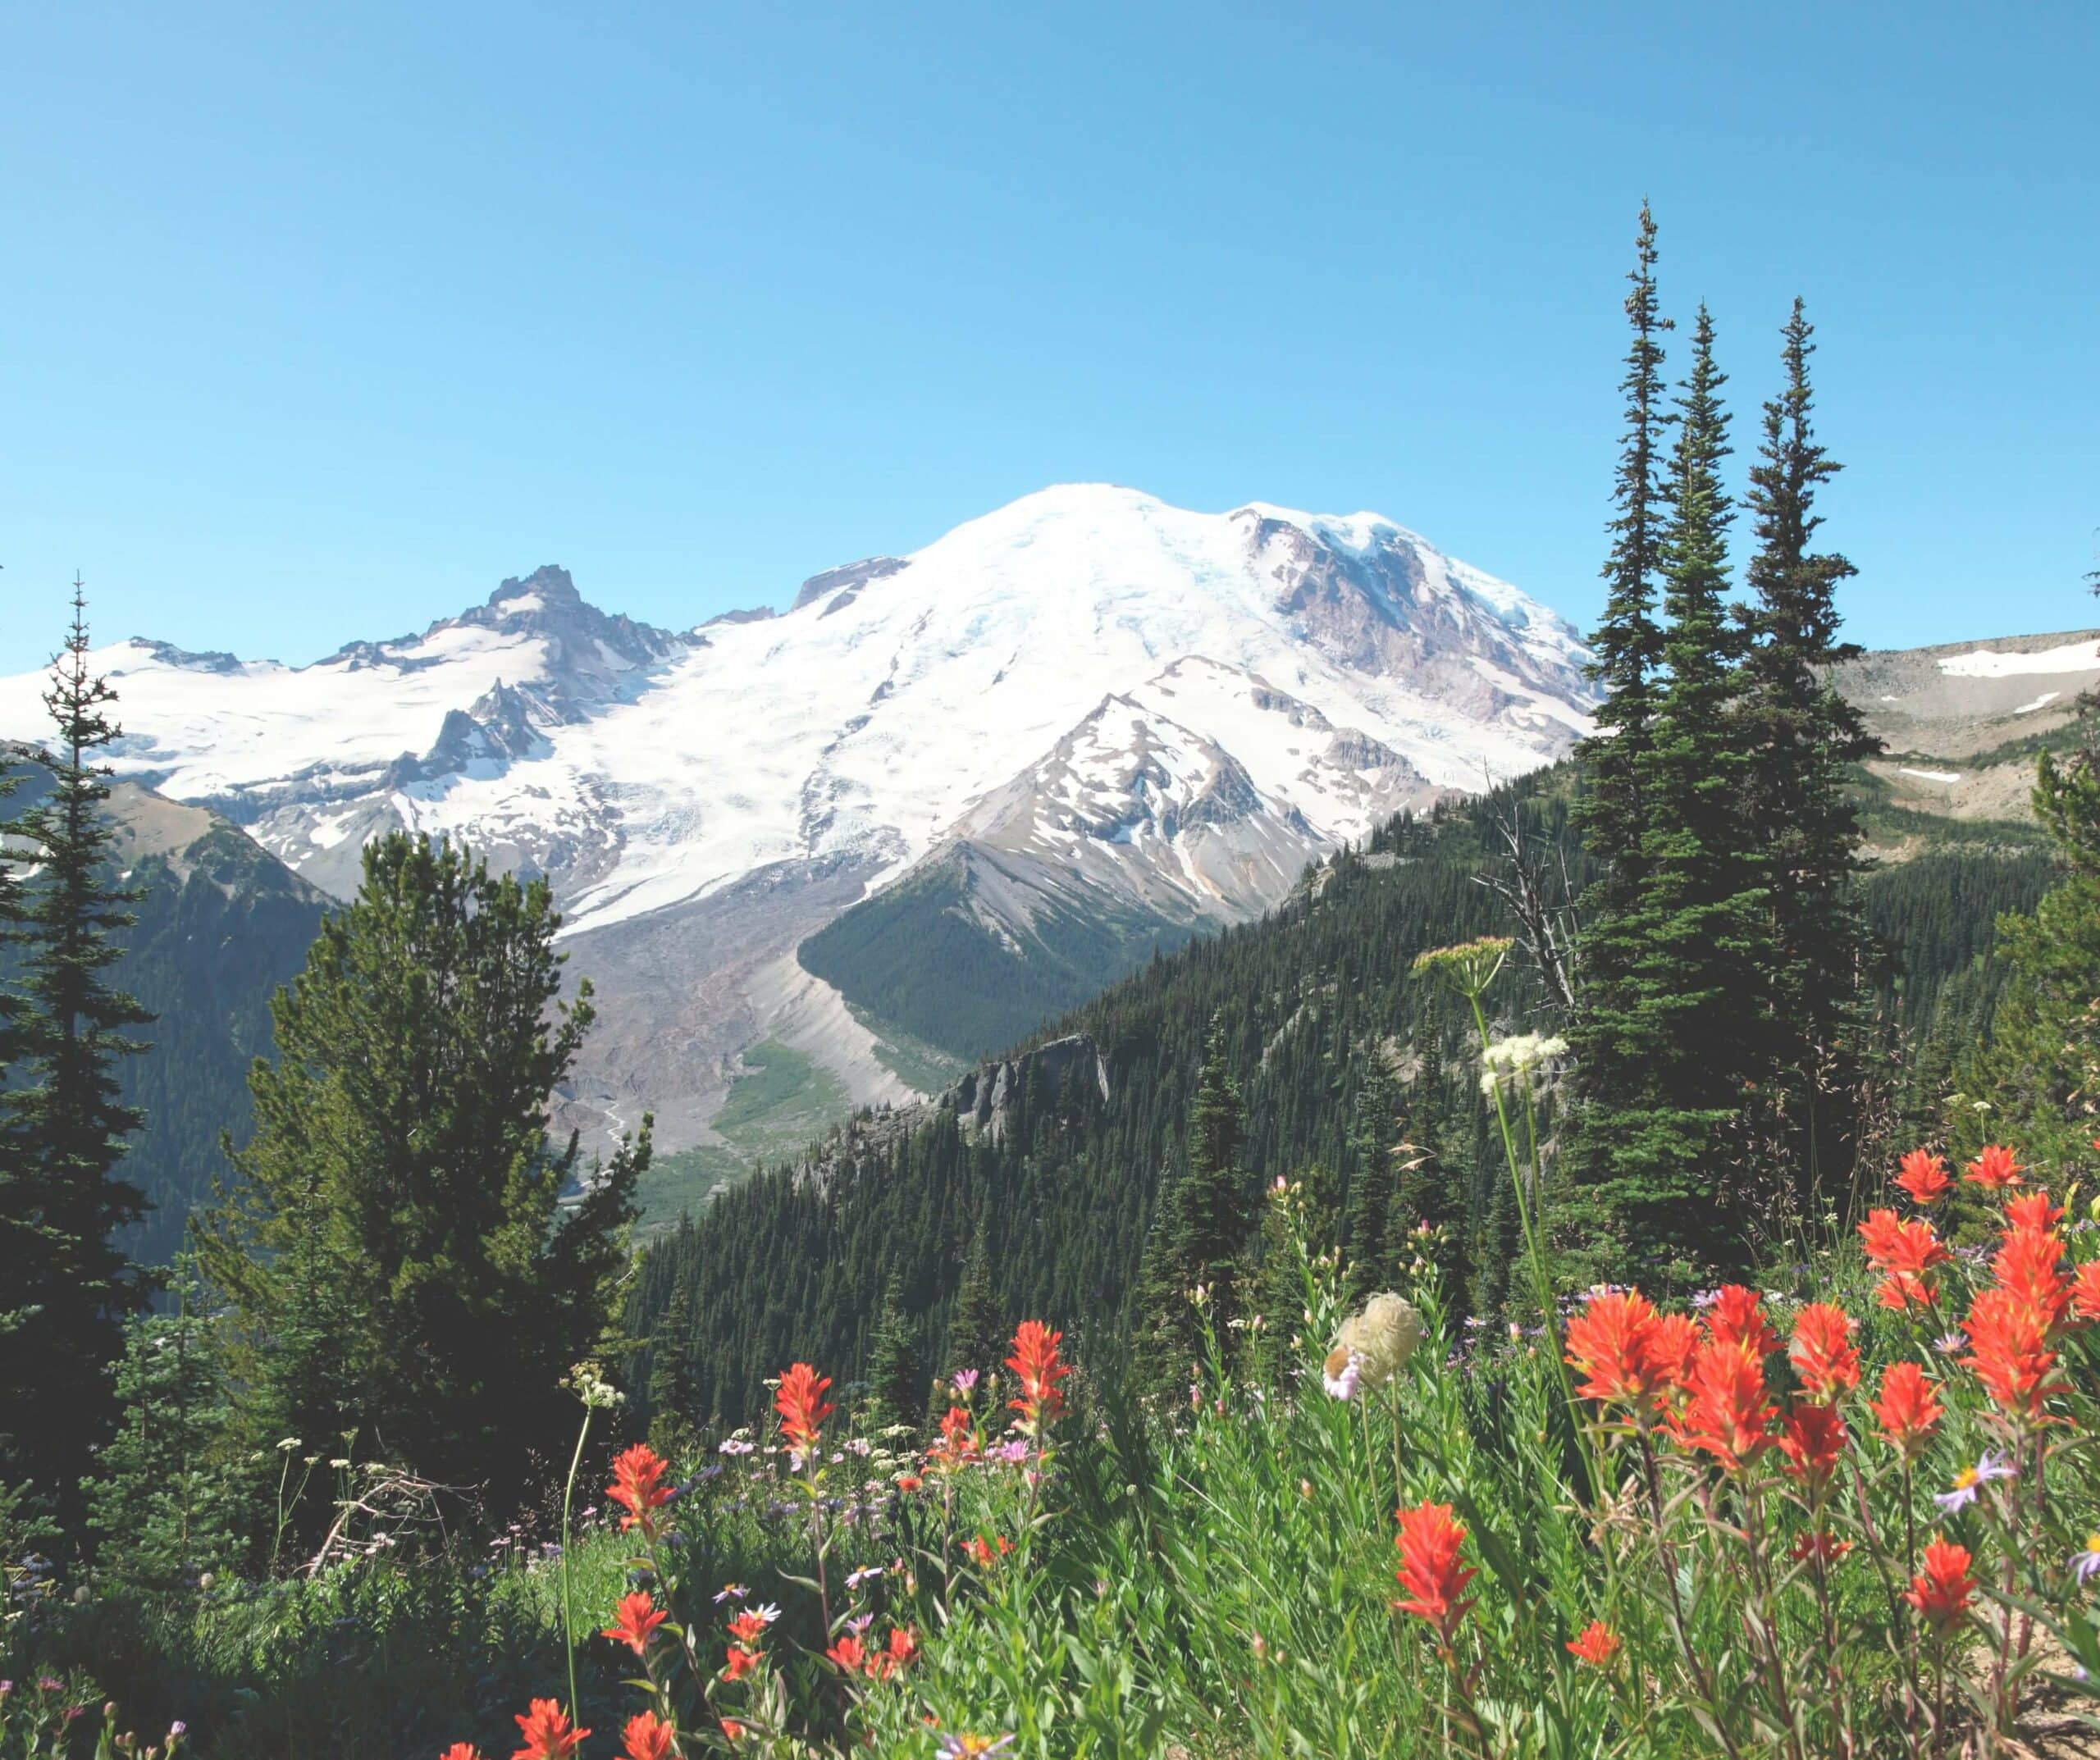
<point>843,585</point>
<point>983,1101</point>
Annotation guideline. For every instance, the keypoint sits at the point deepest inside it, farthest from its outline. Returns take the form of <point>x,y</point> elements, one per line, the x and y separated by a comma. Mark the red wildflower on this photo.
<point>634,1620</point>
<point>1925,1177</point>
<point>1941,1590</point>
<point>1823,1544</point>
<point>1812,1437</point>
<point>1905,1250</point>
<point>1895,1245</point>
<point>958,1441</point>
<point>740,1662</point>
<point>1737,1318</point>
<point>461,1751</point>
<point>2085,1291</point>
<point>1994,1169</point>
<point>546,1734</point>
<point>1035,1361</point>
<point>903,1650</point>
<point>1631,1354</point>
<point>748,1627</point>
<point>1430,1571</point>
<point>732,1730</point>
<point>981,1553</point>
<point>1726,1413</point>
<point>648,1737</point>
<point>2026,1268</point>
<point>802,1407</point>
<point>1908,1408</point>
<point>638,1487</point>
<point>1823,1354</point>
<point>2009,1350</point>
<point>909,1482</point>
<point>850,1654</point>
<point>2031,1210</point>
<point>1596,1646</point>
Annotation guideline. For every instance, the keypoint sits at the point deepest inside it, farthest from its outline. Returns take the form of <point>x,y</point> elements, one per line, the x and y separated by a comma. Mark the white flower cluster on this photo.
<point>1514,1058</point>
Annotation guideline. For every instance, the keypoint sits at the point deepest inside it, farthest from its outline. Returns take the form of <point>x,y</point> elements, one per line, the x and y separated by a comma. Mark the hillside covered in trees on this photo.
<point>1339,1054</point>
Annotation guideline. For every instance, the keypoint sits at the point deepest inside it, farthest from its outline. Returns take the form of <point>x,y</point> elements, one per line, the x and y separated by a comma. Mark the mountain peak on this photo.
<point>548,585</point>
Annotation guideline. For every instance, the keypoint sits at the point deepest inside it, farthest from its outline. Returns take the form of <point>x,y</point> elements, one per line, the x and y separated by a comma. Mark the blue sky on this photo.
<point>315,323</point>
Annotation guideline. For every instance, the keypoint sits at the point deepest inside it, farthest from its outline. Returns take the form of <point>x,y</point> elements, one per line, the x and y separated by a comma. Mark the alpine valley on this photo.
<point>972,785</point>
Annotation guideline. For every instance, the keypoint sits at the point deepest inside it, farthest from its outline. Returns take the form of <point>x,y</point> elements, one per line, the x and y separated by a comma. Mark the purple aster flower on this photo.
<point>1971,1480</point>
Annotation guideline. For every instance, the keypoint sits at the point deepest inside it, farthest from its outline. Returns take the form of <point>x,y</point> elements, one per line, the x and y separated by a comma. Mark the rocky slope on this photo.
<point>1963,723</point>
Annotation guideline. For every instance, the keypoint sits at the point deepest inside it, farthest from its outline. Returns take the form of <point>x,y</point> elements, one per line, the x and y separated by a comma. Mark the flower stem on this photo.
<point>568,1608</point>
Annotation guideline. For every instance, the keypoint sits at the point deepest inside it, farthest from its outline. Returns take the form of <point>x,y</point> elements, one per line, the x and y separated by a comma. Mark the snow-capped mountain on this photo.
<point>1114,698</point>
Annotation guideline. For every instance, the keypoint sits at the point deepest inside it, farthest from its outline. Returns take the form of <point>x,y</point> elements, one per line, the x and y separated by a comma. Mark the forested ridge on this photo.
<point>1306,1000</point>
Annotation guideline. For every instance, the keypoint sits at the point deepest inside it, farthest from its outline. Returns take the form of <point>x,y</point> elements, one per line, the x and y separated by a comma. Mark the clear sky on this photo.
<point>316,321</point>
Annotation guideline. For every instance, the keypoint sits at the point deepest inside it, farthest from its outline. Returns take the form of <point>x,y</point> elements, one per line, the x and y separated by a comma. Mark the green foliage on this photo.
<point>1675,1034</point>
<point>975,1336</point>
<point>164,1503</point>
<point>63,1121</point>
<point>896,1372</point>
<point>2037,1080</point>
<point>402,1261</point>
<point>1805,739</point>
<point>1198,1246</point>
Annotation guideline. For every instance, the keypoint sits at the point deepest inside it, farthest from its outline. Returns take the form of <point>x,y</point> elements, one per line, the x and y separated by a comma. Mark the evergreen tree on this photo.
<point>1804,737</point>
<point>897,1373</point>
<point>671,1380</point>
<point>1673,1042</point>
<point>1372,1217</point>
<point>1626,648</point>
<point>2040,1071</point>
<point>1200,1237</point>
<point>975,1338</point>
<point>21,1230</point>
<point>65,1120</point>
<point>398,1250</point>
<point>164,1504</point>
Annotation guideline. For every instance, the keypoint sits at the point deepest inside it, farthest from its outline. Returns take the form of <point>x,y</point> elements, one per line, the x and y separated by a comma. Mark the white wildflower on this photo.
<point>1516,1058</point>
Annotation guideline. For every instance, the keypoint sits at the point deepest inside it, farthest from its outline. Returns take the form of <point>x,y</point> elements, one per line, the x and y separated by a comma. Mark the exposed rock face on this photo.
<point>984,1101</point>
<point>838,587</point>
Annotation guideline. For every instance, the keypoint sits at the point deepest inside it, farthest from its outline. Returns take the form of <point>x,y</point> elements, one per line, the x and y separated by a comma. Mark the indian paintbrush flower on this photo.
<point>1924,1176</point>
<point>1430,1570</point>
<point>1908,1408</point>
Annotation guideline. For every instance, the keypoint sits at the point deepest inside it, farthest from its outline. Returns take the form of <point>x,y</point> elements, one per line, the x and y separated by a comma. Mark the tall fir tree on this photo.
<point>975,1338</point>
<point>1371,1216</point>
<point>1199,1237</point>
<point>1804,736</point>
<point>409,1258</point>
<point>896,1372</point>
<point>1626,647</point>
<point>66,1122</point>
<point>1673,1041</point>
<point>672,1386</point>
